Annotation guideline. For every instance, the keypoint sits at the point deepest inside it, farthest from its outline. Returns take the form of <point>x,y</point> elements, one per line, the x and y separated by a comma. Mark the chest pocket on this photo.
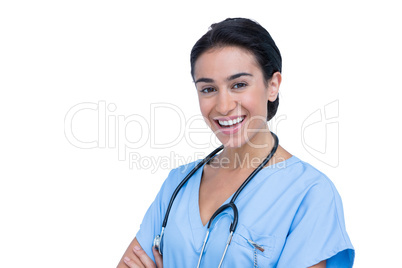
<point>241,253</point>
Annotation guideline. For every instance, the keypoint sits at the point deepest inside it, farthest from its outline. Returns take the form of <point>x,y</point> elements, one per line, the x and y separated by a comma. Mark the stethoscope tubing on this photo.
<point>251,176</point>
<point>158,238</point>
<point>176,191</point>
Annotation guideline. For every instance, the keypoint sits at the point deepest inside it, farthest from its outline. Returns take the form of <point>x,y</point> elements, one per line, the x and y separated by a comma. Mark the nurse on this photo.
<point>289,215</point>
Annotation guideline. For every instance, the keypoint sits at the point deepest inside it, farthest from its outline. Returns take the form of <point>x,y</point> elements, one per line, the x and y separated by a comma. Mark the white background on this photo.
<point>63,206</point>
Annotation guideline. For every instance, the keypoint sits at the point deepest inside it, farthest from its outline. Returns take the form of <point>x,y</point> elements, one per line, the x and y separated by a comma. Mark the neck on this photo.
<point>248,156</point>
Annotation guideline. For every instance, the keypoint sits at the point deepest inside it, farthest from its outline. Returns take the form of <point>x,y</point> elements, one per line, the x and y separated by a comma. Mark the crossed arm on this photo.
<point>135,257</point>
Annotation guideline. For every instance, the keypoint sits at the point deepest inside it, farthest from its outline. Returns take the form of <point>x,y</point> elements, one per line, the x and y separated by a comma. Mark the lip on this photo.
<point>229,130</point>
<point>227,118</point>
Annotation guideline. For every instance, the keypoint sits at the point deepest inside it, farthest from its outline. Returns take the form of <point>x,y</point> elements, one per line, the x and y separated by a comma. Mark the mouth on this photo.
<point>230,125</point>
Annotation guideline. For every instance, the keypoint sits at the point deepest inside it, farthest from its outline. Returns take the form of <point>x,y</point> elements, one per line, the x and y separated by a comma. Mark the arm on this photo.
<point>322,264</point>
<point>129,253</point>
<point>149,227</point>
<point>135,256</point>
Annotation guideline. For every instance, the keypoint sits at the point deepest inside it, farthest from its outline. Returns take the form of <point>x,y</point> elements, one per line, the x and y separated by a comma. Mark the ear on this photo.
<point>273,86</point>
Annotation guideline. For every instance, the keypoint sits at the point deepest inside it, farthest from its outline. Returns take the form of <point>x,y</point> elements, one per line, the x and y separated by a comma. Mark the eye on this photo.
<point>207,90</point>
<point>239,85</point>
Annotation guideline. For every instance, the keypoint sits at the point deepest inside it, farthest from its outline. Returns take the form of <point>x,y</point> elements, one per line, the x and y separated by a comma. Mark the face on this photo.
<point>233,95</point>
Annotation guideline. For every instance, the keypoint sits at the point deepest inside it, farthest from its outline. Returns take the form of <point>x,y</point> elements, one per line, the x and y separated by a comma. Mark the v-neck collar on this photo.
<point>198,229</point>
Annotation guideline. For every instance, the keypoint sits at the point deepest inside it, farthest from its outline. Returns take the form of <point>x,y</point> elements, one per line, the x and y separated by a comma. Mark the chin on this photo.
<point>232,142</point>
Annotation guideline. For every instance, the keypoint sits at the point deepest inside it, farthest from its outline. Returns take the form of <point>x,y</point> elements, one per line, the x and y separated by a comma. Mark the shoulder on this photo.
<point>308,178</point>
<point>181,171</point>
<point>307,186</point>
<point>317,193</point>
<point>318,222</point>
<point>177,174</point>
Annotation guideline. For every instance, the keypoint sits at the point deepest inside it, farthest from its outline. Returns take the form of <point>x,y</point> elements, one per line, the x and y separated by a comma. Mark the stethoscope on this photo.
<point>158,239</point>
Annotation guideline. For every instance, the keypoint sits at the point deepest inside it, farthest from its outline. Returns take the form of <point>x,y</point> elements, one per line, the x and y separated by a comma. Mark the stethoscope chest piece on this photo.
<point>158,241</point>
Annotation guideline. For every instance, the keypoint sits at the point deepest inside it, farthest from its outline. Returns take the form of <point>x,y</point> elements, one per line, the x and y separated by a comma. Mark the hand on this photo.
<point>144,261</point>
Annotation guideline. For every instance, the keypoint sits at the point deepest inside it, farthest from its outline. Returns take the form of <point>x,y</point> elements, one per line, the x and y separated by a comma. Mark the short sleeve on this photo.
<point>152,221</point>
<point>318,231</point>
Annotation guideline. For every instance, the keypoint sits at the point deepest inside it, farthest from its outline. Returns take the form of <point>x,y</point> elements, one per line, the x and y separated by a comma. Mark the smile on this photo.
<point>230,123</point>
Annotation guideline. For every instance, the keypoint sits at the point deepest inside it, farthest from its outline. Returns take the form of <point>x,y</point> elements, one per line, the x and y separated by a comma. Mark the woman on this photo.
<point>289,213</point>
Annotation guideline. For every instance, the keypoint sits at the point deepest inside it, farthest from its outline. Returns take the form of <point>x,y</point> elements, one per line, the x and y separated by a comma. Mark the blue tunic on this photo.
<point>290,209</point>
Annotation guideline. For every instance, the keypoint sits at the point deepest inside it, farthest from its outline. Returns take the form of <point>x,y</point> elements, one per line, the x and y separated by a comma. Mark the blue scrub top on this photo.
<point>290,209</point>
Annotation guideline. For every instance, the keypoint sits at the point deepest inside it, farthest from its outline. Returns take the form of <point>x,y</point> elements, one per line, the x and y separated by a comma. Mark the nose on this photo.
<point>225,102</point>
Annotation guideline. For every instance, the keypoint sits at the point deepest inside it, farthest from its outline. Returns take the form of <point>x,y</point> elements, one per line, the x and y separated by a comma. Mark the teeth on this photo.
<point>231,122</point>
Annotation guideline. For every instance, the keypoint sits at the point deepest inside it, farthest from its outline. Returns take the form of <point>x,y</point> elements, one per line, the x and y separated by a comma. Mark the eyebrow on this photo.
<point>232,77</point>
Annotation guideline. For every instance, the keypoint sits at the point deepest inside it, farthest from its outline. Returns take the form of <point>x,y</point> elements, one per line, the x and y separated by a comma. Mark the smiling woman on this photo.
<point>277,210</point>
<point>230,81</point>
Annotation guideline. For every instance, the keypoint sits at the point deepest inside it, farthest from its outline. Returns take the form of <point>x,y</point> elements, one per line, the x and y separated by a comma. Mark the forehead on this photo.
<point>222,62</point>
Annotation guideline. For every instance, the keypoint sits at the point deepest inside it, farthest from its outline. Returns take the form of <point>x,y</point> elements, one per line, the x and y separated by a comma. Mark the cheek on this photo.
<point>204,107</point>
<point>256,105</point>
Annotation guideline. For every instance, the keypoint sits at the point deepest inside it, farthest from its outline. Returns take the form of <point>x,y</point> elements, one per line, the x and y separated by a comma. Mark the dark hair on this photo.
<point>246,34</point>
